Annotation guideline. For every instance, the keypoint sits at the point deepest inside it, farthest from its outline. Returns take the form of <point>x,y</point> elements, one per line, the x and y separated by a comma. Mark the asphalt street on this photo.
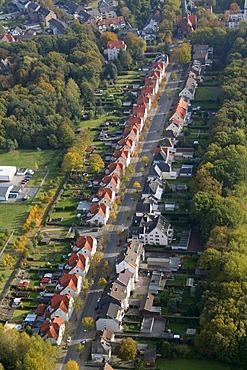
<point>153,136</point>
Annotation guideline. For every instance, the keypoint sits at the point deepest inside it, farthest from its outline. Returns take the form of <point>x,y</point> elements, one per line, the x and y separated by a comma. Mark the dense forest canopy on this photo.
<point>219,208</point>
<point>42,99</point>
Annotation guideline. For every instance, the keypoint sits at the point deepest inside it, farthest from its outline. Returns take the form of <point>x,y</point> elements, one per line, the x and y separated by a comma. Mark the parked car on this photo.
<point>68,340</point>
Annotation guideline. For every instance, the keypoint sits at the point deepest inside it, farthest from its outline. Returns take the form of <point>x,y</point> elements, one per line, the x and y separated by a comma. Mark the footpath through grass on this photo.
<point>190,364</point>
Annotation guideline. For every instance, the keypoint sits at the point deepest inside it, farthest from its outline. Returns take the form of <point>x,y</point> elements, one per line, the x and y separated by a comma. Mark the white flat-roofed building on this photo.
<point>7,173</point>
<point>4,192</point>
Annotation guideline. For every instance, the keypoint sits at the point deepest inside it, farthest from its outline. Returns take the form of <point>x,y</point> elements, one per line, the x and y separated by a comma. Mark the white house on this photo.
<point>61,306</point>
<point>78,264</point>
<point>98,214</point>
<point>86,245</point>
<point>113,49</point>
<point>130,260</point>
<point>110,317</point>
<point>70,284</point>
<point>157,232</point>
<point>53,330</point>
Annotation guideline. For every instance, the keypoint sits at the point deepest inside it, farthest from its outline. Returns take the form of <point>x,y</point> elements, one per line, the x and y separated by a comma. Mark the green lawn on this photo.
<point>30,158</point>
<point>205,93</point>
<point>13,215</point>
<point>189,364</point>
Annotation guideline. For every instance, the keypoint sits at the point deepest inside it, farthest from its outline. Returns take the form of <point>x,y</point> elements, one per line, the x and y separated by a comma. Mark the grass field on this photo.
<point>189,364</point>
<point>30,158</point>
<point>205,93</point>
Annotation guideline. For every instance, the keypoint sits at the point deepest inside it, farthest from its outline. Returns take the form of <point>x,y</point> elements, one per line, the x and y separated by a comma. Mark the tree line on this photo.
<point>219,210</point>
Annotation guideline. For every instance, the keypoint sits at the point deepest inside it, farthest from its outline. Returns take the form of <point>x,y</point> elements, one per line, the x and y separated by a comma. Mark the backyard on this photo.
<point>189,364</point>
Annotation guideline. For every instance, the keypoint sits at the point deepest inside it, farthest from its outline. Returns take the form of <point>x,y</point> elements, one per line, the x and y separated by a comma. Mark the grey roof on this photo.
<point>84,16</point>
<point>100,347</point>
<point>163,166</point>
<point>161,222</point>
<point>60,25</point>
<point>3,190</point>
<point>73,7</point>
<point>44,11</point>
<point>153,172</point>
<point>112,310</point>
<point>169,134</point>
<point>161,156</point>
<point>143,208</point>
<point>123,277</point>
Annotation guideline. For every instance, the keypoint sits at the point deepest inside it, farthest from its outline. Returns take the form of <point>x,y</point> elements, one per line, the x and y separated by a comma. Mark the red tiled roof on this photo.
<point>60,301</point>
<point>83,240</point>
<point>116,45</point>
<point>78,260</point>
<point>70,280</point>
<point>51,329</point>
<point>40,309</point>
<point>159,65</point>
<point>147,90</point>
<point>182,103</point>
<point>139,111</point>
<point>99,208</point>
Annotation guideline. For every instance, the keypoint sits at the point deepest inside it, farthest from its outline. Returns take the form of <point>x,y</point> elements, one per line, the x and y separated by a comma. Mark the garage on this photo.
<point>7,173</point>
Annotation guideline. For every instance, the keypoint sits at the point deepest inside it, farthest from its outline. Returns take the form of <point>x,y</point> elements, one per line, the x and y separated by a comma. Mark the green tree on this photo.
<point>135,45</point>
<point>165,349</point>
<point>125,58</point>
<point>138,364</point>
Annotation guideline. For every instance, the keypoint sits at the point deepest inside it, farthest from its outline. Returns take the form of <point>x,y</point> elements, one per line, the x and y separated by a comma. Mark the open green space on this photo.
<point>189,364</point>
<point>34,159</point>
<point>206,93</point>
<point>13,215</point>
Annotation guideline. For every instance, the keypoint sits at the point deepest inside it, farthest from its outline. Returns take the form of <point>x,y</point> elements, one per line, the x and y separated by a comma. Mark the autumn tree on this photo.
<point>105,37</point>
<point>145,159</point>
<point>135,45</point>
<point>72,365</point>
<point>96,163</point>
<point>88,323</point>
<point>234,8</point>
<point>102,282</point>
<point>125,58</point>
<point>137,185</point>
<point>127,349</point>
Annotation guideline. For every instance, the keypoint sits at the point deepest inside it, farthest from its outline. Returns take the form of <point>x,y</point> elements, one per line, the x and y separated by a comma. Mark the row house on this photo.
<point>85,245</point>
<point>98,214</point>
<point>130,260</point>
<point>70,284</point>
<point>62,306</point>
<point>53,330</point>
<point>189,90</point>
<point>105,195</point>
<point>78,264</point>
<point>110,317</point>
<point>115,167</point>
<point>122,155</point>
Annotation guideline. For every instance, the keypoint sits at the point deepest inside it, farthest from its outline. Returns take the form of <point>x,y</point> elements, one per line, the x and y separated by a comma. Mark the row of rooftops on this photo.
<point>60,302</point>
<point>125,146</point>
